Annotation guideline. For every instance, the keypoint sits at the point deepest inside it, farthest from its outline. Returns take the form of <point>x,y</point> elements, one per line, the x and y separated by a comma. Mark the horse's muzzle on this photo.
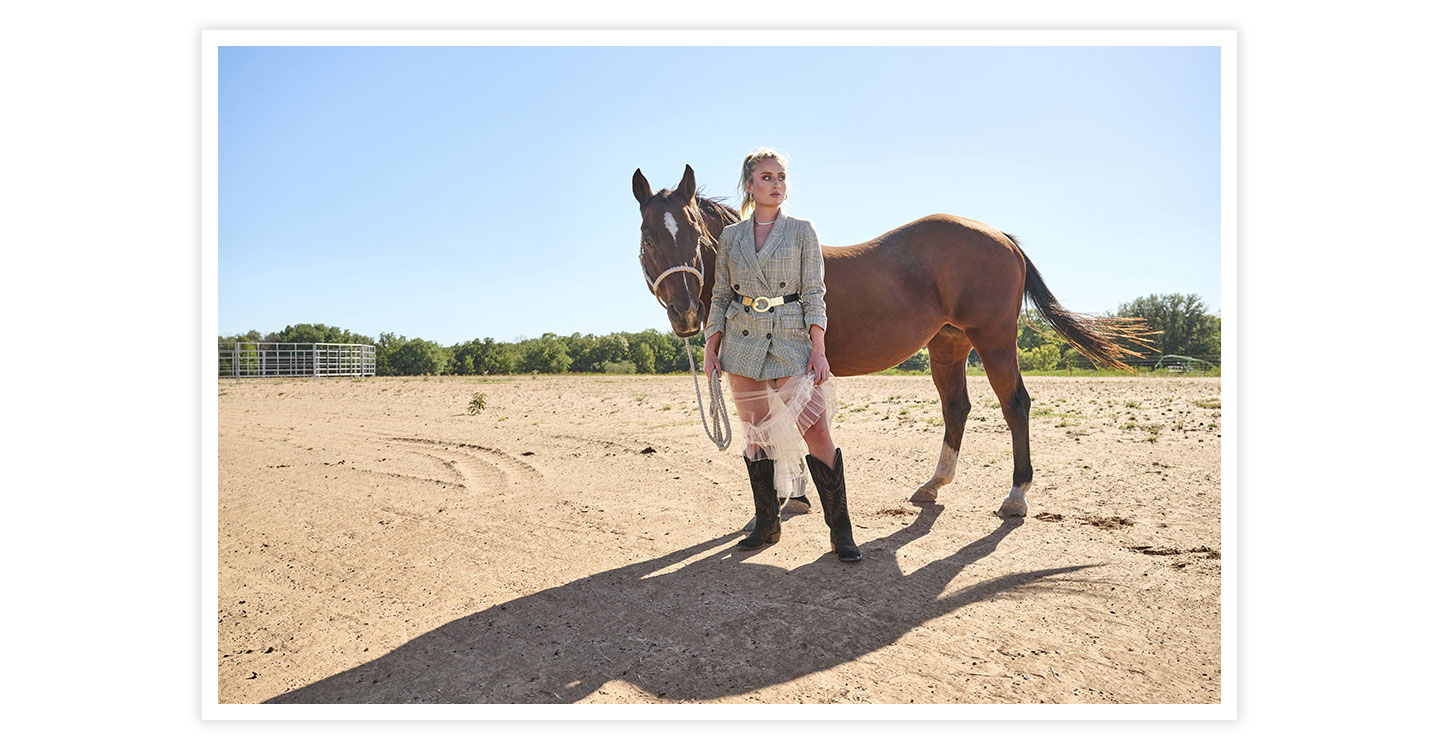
<point>685,323</point>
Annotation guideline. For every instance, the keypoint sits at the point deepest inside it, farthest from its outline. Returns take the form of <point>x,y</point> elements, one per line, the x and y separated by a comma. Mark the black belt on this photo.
<point>761,304</point>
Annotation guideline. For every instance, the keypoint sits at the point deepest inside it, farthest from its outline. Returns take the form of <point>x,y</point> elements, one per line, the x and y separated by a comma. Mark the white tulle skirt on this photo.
<point>774,418</point>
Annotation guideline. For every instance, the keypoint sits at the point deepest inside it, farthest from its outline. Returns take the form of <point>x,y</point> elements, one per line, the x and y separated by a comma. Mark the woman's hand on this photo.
<point>712,355</point>
<point>819,366</point>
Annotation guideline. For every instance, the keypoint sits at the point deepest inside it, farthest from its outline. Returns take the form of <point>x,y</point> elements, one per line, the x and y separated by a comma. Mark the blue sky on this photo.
<point>451,193</point>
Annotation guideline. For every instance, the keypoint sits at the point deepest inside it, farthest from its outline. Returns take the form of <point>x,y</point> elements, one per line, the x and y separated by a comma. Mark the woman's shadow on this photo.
<point>713,627</point>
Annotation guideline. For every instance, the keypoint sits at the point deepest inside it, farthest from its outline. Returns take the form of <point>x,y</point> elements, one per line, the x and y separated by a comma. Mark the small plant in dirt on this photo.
<point>1208,403</point>
<point>477,403</point>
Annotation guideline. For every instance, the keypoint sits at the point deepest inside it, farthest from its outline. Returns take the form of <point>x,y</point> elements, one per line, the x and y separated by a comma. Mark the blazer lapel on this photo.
<point>746,251</point>
<point>774,239</point>
<point>773,242</point>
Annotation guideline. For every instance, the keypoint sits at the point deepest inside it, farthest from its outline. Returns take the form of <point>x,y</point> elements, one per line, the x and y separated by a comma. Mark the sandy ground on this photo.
<point>574,542</point>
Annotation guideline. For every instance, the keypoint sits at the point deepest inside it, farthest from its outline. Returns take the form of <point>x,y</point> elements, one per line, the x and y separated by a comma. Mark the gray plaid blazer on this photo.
<point>774,343</point>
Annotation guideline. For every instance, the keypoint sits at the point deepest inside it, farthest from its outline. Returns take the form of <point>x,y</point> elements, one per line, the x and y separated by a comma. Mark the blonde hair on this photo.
<point>747,201</point>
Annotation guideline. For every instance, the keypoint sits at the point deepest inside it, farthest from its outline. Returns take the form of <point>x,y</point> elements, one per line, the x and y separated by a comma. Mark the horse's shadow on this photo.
<point>713,627</point>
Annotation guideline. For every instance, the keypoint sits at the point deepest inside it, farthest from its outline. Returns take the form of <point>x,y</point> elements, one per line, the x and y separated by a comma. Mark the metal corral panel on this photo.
<point>263,359</point>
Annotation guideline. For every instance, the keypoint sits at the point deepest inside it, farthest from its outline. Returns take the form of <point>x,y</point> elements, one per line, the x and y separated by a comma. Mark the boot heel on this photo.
<point>773,538</point>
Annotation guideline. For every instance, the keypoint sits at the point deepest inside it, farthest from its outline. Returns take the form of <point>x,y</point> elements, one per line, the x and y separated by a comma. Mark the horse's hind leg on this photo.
<point>1002,366</point>
<point>949,351</point>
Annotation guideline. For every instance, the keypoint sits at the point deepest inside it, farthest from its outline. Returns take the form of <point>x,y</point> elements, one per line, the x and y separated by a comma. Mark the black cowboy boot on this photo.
<point>793,506</point>
<point>830,485</point>
<point>767,504</point>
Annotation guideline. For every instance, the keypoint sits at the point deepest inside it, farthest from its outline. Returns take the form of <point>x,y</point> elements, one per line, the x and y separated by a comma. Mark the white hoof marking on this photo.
<point>944,473</point>
<point>1015,504</point>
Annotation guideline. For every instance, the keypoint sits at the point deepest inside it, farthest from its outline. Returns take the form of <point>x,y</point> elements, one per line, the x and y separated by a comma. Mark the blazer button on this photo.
<point>767,335</point>
<point>782,285</point>
<point>745,333</point>
<point>737,287</point>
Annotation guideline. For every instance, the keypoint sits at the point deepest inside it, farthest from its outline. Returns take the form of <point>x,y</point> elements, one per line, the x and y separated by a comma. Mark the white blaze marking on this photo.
<point>671,225</point>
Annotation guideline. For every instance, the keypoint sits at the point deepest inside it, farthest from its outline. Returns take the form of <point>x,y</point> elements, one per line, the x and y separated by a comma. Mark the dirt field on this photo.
<point>574,543</point>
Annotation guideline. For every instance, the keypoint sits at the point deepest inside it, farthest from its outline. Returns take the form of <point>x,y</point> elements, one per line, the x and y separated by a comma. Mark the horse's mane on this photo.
<point>717,210</point>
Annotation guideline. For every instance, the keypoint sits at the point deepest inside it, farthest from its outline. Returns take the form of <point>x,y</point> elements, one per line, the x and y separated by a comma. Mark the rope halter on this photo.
<point>683,268</point>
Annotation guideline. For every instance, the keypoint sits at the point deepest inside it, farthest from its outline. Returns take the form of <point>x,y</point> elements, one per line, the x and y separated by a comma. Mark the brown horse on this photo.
<point>948,283</point>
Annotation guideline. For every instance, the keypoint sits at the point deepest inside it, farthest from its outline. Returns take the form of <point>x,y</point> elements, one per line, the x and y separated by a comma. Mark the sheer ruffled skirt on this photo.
<point>774,415</point>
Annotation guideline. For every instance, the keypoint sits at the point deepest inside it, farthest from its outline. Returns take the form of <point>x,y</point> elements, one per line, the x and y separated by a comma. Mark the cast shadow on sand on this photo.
<point>719,625</point>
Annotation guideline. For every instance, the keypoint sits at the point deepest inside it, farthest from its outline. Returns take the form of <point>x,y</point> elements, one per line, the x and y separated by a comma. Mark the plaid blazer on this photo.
<point>774,343</point>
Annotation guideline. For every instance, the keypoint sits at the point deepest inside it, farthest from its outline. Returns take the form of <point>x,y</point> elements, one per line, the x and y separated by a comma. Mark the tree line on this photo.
<point>1189,330</point>
<point>1183,326</point>
<point>648,351</point>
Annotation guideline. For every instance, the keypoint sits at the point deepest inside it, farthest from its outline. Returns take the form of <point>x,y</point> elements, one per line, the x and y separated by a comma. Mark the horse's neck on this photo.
<point>716,219</point>
<point>715,222</point>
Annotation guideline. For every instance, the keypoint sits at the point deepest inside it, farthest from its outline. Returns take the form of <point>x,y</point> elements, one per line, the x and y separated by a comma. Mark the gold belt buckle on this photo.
<point>761,304</point>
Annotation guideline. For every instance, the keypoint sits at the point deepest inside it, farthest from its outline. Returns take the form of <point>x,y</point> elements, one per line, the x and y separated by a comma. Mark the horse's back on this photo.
<point>945,268</point>
<point>945,229</point>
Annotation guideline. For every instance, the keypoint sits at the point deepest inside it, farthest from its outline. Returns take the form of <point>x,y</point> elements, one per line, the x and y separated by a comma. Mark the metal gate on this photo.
<point>264,359</point>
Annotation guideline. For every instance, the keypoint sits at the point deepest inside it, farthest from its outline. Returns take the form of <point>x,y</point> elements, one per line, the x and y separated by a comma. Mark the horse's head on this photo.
<point>673,245</point>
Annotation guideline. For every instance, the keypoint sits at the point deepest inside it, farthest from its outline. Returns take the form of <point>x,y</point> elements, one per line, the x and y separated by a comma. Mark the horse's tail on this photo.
<point>1098,338</point>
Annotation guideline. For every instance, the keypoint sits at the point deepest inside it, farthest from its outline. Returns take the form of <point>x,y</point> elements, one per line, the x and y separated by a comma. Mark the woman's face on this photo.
<point>767,183</point>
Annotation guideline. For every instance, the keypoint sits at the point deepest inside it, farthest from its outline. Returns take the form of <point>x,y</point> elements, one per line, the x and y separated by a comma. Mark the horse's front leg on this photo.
<point>949,352</point>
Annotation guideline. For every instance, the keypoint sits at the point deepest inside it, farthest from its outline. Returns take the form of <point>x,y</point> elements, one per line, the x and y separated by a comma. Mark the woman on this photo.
<point>766,330</point>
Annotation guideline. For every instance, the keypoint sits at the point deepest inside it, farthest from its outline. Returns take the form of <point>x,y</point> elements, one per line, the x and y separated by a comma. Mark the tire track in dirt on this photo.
<point>484,470</point>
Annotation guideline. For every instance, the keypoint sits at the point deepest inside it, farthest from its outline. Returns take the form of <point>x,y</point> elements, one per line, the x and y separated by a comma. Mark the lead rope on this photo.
<point>721,435</point>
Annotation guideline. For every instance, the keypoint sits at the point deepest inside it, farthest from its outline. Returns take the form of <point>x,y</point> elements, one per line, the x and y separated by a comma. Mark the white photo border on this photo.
<point>212,40</point>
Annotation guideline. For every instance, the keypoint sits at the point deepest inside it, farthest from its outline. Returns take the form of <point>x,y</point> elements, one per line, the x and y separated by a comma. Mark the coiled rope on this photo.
<point>716,415</point>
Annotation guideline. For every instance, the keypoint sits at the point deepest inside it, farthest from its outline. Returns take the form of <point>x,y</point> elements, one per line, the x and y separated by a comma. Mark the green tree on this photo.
<point>317,333</point>
<point>386,345</point>
<point>545,354</point>
<point>464,356</point>
<point>1189,328</point>
<point>582,352</point>
<point>669,349</point>
<point>1043,357</point>
<point>612,348</point>
<point>418,357</point>
<point>643,357</point>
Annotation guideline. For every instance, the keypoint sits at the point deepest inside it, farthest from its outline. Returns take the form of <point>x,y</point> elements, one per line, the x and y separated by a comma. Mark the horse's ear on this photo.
<point>686,190</point>
<point>642,188</point>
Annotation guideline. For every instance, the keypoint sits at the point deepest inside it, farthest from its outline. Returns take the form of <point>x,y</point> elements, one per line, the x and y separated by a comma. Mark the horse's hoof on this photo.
<point>1012,507</point>
<point>794,506</point>
<point>924,495</point>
